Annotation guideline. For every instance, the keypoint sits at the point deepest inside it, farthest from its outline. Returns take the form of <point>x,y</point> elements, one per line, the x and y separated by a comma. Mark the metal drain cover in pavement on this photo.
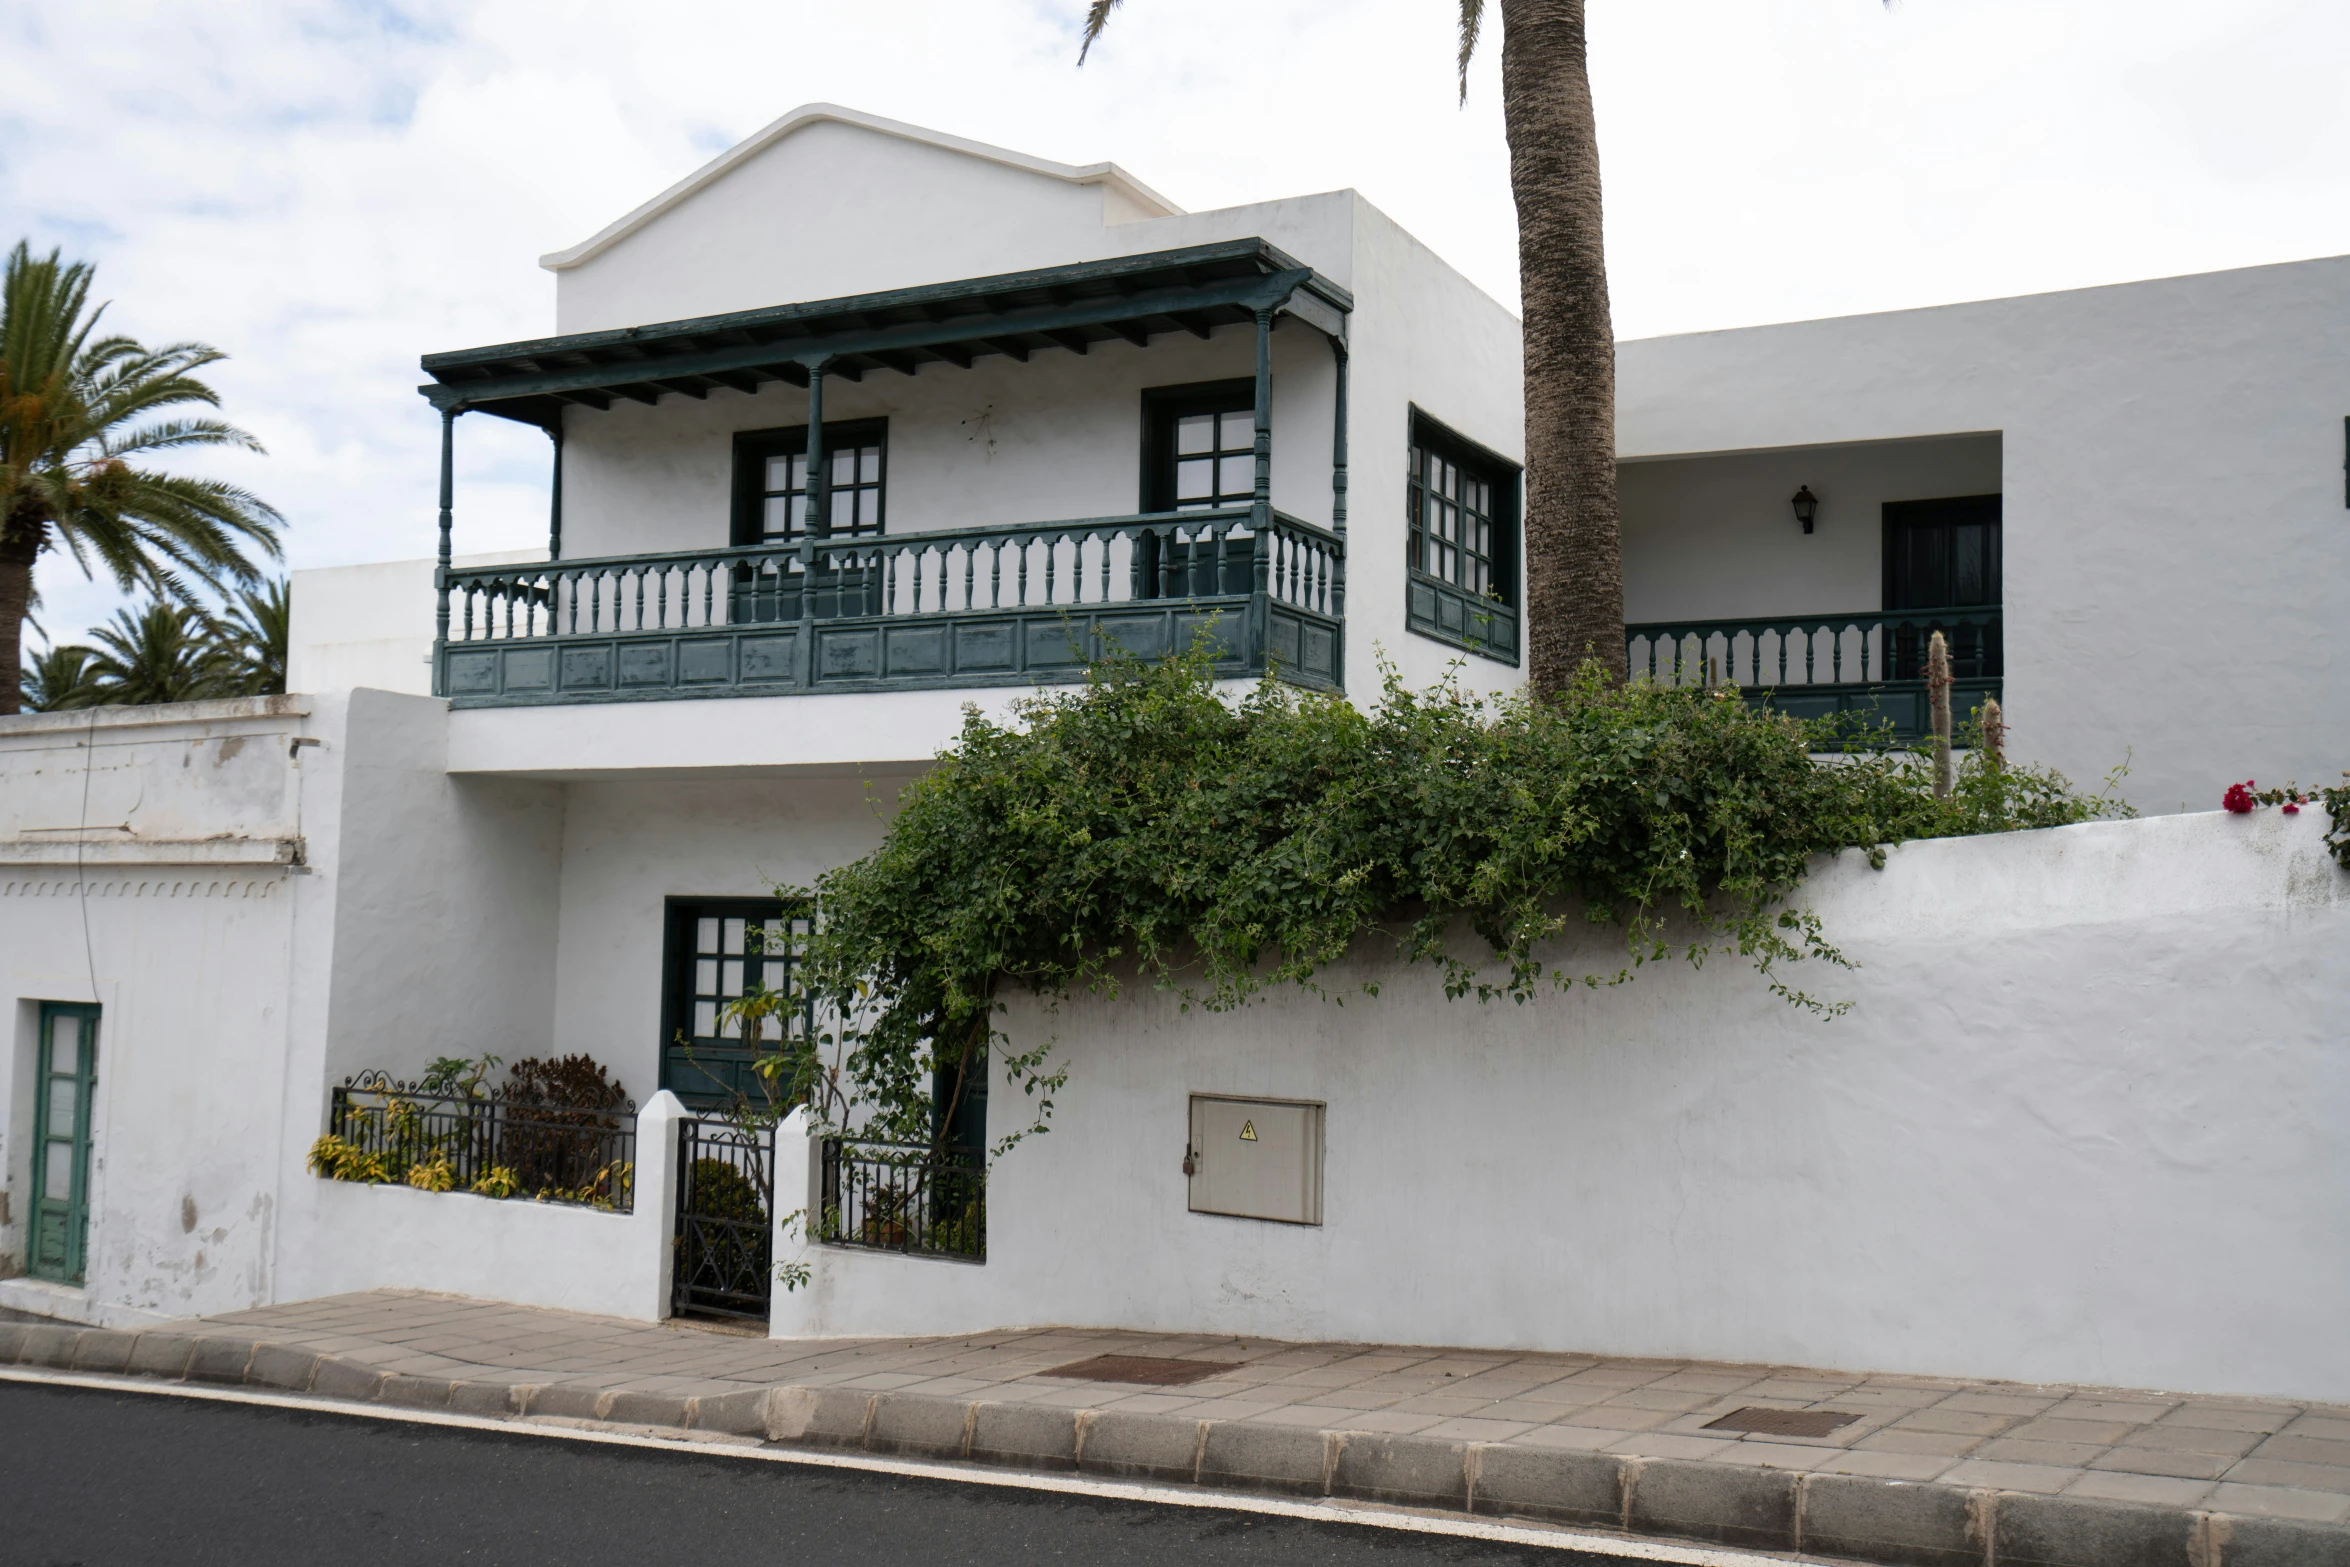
<point>1153,1370</point>
<point>1783,1422</point>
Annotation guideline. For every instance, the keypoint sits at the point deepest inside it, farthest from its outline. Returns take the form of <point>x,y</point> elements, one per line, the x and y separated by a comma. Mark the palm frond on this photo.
<point>175,433</point>
<point>1097,17</point>
<point>252,634</point>
<point>59,679</point>
<point>158,653</point>
<point>1472,25</point>
<point>78,407</point>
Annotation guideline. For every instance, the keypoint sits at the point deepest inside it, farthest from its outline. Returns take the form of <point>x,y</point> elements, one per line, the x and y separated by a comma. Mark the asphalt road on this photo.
<point>116,1479</point>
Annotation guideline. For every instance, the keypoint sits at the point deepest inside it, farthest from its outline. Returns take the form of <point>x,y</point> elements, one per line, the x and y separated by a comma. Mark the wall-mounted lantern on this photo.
<point>1807,506</point>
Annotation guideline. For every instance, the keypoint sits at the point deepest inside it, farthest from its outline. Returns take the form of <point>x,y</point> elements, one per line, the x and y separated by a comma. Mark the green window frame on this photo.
<point>771,482</point>
<point>65,1082</point>
<point>1199,445</point>
<point>713,949</point>
<point>1462,513</point>
<point>1460,541</point>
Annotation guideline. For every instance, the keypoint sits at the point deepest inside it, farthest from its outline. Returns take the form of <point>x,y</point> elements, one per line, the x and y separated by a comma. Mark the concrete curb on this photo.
<point>1894,1522</point>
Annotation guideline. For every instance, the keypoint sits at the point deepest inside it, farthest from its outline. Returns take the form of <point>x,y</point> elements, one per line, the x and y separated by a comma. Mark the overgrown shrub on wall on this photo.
<point>1147,824</point>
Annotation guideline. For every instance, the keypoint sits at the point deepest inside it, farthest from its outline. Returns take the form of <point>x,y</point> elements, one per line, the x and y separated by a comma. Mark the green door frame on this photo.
<point>58,1241</point>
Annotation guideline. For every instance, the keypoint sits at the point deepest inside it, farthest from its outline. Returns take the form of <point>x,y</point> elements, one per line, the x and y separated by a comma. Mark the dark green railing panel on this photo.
<point>1482,625</point>
<point>974,607</point>
<point>1868,663</point>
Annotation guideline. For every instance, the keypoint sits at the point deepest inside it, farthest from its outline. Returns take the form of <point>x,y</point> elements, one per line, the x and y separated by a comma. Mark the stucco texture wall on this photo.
<point>2176,541</point>
<point>1711,538</point>
<point>2080,1124</point>
<point>629,846</point>
<point>190,963</point>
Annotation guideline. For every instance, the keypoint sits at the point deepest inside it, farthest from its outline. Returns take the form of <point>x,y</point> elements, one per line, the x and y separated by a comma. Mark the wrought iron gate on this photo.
<point>725,1234</point>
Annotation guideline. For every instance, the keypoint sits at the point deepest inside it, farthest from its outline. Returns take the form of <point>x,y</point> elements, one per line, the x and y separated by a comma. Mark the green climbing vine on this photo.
<point>1147,826</point>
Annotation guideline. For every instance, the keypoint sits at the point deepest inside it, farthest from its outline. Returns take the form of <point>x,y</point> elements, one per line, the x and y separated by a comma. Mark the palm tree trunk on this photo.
<point>16,595</point>
<point>1574,557</point>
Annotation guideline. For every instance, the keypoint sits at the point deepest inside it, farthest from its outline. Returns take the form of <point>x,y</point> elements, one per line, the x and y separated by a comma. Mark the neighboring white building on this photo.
<point>1045,411</point>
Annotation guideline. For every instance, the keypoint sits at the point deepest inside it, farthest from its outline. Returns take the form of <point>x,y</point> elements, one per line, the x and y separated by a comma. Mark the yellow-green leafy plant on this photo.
<point>496,1181</point>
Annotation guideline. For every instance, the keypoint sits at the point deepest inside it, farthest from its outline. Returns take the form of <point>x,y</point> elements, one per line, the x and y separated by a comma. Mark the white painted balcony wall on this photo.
<point>1713,537</point>
<point>2171,459</point>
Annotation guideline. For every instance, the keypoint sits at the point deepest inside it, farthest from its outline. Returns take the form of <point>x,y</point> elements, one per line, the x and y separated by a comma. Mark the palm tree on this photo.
<point>71,406</point>
<point>251,636</point>
<point>60,679</point>
<point>1574,554</point>
<point>160,653</point>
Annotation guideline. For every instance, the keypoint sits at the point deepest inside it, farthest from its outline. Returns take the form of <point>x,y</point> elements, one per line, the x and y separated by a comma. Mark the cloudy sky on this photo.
<point>327,188</point>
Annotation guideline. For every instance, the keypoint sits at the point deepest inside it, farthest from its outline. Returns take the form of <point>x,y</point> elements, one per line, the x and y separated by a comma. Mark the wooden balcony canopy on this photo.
<point>1070,308</point>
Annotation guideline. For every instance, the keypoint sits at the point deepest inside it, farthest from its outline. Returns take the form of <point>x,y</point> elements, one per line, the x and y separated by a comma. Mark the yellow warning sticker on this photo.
<point>1248,1131</point>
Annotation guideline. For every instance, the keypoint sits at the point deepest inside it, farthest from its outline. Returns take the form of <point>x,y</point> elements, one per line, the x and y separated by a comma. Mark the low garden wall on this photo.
<point>2083,1121</point>
<point>355,1236</point>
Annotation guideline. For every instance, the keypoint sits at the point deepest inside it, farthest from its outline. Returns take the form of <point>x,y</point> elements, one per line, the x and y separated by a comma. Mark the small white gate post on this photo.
<point>653,1244</point>
<point>790,1312</point>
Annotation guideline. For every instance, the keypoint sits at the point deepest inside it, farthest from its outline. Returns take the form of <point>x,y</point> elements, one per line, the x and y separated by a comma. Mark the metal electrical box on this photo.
<point>1256,1158</point>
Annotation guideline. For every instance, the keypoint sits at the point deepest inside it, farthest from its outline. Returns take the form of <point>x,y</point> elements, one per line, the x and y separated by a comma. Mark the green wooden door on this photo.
<point>68,1072</point>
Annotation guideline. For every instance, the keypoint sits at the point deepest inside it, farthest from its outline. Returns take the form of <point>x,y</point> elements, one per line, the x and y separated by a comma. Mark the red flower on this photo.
<point>2238,798</point>
<point>2292,808</point>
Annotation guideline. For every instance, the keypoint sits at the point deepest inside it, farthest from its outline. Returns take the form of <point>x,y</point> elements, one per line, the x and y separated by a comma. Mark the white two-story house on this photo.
<point>862,423</point>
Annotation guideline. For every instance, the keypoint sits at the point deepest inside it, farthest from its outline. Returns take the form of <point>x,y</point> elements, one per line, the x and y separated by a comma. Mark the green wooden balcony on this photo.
<point>1867,663</point>
<point>1012,605</point>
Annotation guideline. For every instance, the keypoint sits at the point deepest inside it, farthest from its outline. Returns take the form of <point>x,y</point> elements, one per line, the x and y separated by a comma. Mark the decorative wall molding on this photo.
<point>125,887</point>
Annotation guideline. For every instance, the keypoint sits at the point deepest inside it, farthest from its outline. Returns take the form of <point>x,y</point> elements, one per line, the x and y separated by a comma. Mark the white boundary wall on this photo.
<point>2083,1122</point>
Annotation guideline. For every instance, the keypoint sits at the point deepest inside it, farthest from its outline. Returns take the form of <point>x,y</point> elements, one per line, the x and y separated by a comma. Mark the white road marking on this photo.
<point>1332,1510</point>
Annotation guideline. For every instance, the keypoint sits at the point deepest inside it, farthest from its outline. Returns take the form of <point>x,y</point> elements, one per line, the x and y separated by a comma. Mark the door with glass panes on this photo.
<point>1199,453</point>
<point>66,1069</point>
<point>1944,554</point>
<point>715,951</point>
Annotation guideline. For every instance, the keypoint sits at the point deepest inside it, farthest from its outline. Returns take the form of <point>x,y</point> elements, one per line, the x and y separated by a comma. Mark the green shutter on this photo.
<point>68,1075</point>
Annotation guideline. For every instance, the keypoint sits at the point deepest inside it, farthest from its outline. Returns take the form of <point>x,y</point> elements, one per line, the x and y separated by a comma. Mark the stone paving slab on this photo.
<point>1932,1471</point>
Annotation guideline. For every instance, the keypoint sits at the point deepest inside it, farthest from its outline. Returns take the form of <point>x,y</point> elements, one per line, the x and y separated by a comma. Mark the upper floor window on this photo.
<point>771,481</point>
<point>1463,513</point>
<point>1199,446</point>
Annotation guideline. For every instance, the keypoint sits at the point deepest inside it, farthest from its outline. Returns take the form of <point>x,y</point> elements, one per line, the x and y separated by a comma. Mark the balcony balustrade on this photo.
<point>1012,605</point>
<point>1870,663</point>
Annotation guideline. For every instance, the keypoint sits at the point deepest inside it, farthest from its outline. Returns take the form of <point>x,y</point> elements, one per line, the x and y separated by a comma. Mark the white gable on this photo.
<point>827,202</point>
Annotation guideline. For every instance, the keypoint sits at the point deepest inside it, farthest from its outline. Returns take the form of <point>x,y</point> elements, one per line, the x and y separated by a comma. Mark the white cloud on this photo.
<point>327,190</point>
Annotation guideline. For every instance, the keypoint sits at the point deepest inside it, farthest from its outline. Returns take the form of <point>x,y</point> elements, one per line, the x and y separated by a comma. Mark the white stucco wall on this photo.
<point>434,875</point>
<point>370,625</point>
<point>182,923</point>
<point>2081,1124</point>
<point>353,1237</point>
<point>830,210</point>
<point>1421,334</point>
<point>1003,442</point>
<point>630,845</point>
<point>833,209</point>
<point>2176,542</point>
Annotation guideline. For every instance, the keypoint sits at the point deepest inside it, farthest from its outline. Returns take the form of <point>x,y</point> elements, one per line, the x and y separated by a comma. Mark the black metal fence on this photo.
<point>725,1233</point>
<point>904,1197</point>
<point>388,1132</point>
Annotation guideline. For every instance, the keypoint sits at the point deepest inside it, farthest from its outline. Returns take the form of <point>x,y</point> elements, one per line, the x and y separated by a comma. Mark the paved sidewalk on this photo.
<point>1384,1422</point>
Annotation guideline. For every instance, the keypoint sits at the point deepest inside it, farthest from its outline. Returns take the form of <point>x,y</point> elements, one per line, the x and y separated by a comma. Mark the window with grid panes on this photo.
<point>1461,514</point>
<point>717,950</point>
<point>1200,446</point>
<point>771,482</point>
<point>1215,460</point>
